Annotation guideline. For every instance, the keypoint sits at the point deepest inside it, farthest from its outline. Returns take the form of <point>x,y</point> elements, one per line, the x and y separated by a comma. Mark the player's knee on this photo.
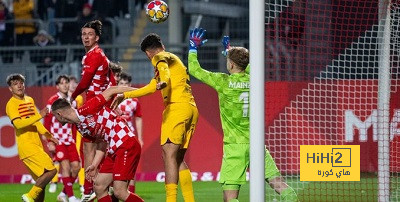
<point>75,167</point>
<point>99,188</point>
<point>120,193</point>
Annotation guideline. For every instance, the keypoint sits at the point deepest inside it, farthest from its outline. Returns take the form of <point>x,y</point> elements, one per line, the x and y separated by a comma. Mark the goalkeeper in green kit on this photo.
<point>233,94</point>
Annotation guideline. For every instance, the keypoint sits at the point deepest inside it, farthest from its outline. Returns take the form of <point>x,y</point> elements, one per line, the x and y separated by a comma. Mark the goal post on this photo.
<point>332,72</point>
<point>257,101</point>
<point>384,100</point>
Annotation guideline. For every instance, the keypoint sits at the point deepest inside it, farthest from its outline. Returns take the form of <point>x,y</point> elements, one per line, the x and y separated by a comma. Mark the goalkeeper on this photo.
<point>233,94</point>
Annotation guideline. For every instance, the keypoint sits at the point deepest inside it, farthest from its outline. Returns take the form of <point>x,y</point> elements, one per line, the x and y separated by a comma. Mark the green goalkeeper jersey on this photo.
<point>233,94</point>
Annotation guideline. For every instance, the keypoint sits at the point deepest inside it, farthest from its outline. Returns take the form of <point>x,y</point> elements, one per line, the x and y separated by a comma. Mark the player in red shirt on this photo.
<point>65,151</point>
<point>96,120</point>
<point>96,77</point>
<point>130,109</point>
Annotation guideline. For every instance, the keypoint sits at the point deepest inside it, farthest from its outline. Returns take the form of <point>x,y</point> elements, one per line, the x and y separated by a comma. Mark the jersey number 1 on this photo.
<point>245,108</point>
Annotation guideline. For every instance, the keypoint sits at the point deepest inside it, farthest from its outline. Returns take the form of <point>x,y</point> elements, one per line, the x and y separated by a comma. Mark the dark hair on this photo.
<point>59,104</point>
<point>13,77</point>
<point>73,78</point>
<point>125,76</point>
<point>115,68</point>
<point>239,56</point>
<point>96,25</point>
<point>151,41</point>
<point>59,78</point>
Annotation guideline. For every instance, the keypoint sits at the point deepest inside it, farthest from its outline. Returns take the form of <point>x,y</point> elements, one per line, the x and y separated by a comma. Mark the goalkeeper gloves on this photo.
<point>196,39</point>
<point>226,44</point>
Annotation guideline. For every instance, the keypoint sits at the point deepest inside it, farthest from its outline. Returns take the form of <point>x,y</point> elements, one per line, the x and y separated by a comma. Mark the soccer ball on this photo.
<point>157,11</point>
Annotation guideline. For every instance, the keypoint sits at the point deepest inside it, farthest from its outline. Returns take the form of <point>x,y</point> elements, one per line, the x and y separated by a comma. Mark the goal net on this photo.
<point>332,77</point>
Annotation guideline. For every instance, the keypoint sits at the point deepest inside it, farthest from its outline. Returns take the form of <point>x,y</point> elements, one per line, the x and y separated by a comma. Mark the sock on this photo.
<point>88,187</point>
<point>171,191</point>
<point>81,176</point>
<point>131,188</point>
<point>185,180</point>
<point>72,179</point>
<point>134,198</point>
<point>34,192</point>
<point>67,186</point>
<point>106,198</point>
<point>55,178</point>
<point>289,194</point>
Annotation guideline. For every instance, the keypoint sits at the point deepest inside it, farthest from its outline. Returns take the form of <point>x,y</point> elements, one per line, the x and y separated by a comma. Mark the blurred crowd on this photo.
<point>19,19</point>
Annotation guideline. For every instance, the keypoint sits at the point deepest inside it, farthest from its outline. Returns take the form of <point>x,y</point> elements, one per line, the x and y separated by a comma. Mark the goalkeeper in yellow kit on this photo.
<point>26,120</point>
<point>179,117</point>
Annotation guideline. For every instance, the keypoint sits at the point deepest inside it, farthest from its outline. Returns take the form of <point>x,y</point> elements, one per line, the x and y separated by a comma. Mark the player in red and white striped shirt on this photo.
<point>96,77</point>
<point>131,109</point>
<point>65,151</point>
<point>99,122</point>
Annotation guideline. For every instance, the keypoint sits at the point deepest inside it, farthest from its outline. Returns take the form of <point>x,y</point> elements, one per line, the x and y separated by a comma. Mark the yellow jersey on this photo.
<point>79,101</point>
<point>25,118</point>
<point>170,69</point>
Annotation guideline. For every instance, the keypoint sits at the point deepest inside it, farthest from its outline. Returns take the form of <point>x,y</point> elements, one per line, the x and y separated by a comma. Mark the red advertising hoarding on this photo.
<point>297,113</point>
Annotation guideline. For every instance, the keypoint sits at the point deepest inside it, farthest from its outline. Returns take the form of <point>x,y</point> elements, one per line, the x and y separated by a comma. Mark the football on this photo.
<point>157,11</point>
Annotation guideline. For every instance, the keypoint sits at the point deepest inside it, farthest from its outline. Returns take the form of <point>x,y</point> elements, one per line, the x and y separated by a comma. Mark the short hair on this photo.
<point>239,56</point>
<point>63,76</point>
<point>59,104</point>
<point>96,25</point>
<point>115,67</point>
<point>151,41</point>
<point>73,78</point>
<point>125,76</point>
<point>14,77</point>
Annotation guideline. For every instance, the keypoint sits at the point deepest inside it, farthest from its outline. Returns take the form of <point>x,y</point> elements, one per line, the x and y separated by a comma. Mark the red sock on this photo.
<point>131,188</point>
<point>133,198</point>
<point>67,186</point>
<point>88,186</point>
<point>73,179</point>
<point>106,198</point>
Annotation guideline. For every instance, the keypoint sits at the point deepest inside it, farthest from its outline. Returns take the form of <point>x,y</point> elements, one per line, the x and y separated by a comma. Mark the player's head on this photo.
<point>62,84</point>
<point>116,69</point>
<point>73,83</point>
<point>237,59</point>
<point>124,79</point>
<point>151,45</point>
<point>16,84</point>
<point>63,111</point>
<point>90,33</point>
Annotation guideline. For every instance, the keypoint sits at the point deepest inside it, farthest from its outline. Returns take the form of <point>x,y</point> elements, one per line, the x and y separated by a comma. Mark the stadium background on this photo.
<point>306,41</point>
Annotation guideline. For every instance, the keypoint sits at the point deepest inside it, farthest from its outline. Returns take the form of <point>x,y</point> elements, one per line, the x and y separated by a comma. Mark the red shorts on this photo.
<point>66,152</point>
<point>88,139</point>
<point>124,162</point>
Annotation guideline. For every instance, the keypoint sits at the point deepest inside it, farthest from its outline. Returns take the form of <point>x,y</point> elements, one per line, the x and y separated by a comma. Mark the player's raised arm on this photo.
<point>87,76</point>
<point>145,90</point>
<point>196,39</point>
<point>111,91</point>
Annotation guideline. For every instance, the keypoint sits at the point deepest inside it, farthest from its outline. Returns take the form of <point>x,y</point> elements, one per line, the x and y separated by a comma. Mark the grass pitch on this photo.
<point>364,190</point>
<point>149,191</point>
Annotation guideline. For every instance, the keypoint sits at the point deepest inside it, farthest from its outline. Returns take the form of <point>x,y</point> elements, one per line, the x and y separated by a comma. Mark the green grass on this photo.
<point>364,190</point>
<point>149,191</point>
